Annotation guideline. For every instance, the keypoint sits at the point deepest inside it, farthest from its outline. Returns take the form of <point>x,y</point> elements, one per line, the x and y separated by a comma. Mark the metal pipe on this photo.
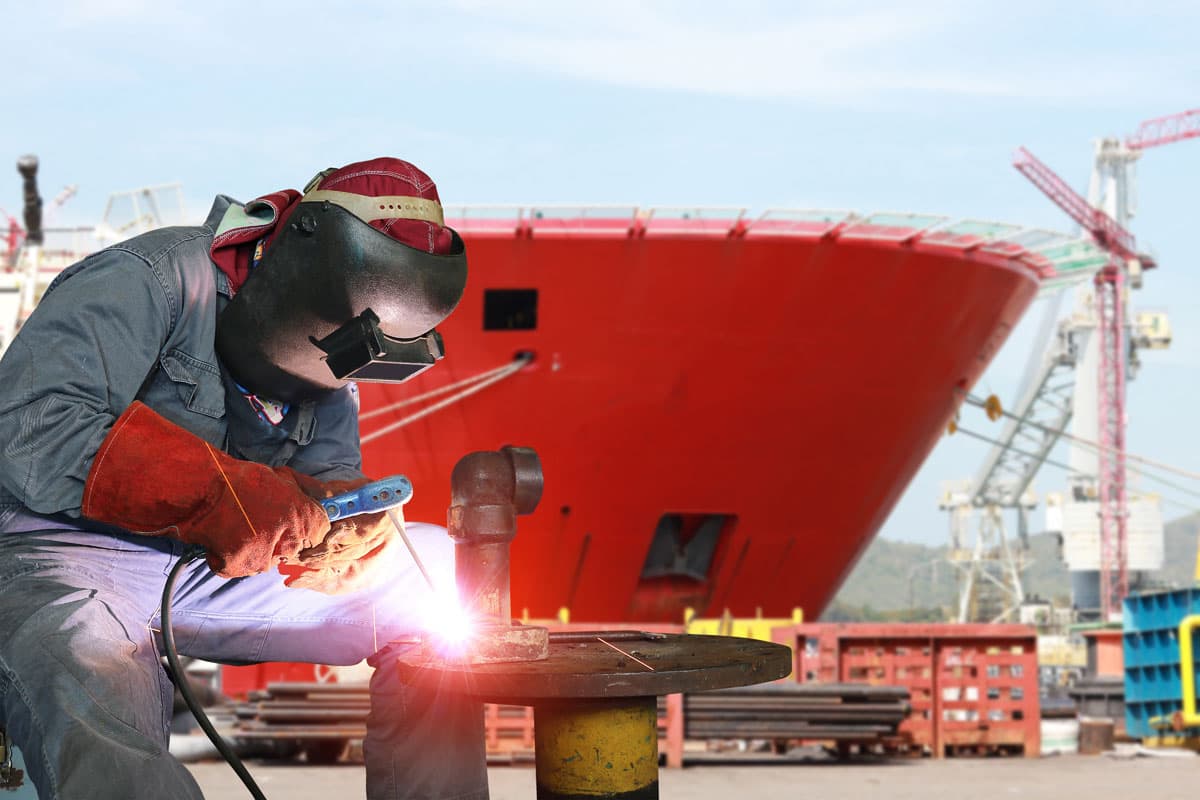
<point>488,490</point>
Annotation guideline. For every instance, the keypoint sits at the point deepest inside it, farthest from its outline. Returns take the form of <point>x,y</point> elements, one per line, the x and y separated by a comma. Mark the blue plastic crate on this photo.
<point>1153,682</point>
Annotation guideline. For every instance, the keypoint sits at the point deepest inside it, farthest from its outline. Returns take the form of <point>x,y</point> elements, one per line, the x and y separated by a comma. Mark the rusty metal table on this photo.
<point>594,699</point>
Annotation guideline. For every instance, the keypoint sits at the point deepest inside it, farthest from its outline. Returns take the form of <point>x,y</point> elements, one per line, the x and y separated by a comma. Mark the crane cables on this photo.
<point>457,391</point>
<point>1147,464</point>
<point>989,406</point>
<point>1071,470</point>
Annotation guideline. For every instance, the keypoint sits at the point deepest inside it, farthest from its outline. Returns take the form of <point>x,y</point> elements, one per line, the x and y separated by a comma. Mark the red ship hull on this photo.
<point>792,384</point>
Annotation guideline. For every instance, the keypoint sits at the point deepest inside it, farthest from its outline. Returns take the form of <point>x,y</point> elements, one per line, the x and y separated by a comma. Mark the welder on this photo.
<point>195,387</point>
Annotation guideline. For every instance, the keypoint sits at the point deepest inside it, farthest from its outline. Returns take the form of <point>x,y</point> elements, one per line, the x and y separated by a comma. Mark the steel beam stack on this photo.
<point>321,718</point>
<point>837,712</point>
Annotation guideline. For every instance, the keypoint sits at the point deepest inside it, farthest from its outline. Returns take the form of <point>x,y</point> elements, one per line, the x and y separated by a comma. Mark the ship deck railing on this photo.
<point>1059,259</point>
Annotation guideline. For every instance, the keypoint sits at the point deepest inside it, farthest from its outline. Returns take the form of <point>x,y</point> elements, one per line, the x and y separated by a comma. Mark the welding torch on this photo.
<point>387,495</point>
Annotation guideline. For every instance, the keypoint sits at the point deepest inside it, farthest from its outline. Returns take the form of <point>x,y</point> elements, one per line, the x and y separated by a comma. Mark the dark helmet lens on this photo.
<point>360,351</point>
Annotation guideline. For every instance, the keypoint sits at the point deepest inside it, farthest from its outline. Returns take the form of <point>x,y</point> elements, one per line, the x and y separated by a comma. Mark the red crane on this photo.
<point>1164,130</point>
<point>1107,232</point>
<point>1111,324</point>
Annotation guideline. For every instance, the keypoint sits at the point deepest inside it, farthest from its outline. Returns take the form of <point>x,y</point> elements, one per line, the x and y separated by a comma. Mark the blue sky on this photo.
<point>870,106</point>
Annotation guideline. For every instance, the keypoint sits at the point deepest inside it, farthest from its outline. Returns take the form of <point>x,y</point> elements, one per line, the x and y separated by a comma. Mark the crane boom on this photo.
<point>1106,230</point>
<point>1164,130</point>
<point>1040,418</point>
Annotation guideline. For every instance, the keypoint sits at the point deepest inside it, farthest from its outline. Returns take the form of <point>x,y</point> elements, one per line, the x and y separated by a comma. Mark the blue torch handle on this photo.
<point>374,497</point>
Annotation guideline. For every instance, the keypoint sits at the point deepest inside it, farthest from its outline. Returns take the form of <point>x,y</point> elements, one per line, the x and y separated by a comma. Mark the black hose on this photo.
<point>181,679</point>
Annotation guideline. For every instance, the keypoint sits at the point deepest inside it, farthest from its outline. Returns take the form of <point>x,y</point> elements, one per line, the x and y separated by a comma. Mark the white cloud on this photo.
<point>871,53</point>
<point>789,51</point>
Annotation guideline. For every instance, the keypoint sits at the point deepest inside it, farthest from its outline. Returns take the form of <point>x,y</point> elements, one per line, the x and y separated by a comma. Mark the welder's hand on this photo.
<point>340,577</point>
<point>153,477</point>
<point>345,558</point>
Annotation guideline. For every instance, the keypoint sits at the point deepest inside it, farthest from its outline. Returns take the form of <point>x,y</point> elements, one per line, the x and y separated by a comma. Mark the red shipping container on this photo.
<point>974,688</point>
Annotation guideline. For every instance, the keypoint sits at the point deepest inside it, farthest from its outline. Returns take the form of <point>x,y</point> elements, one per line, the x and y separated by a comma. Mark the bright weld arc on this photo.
<point>449,623</point>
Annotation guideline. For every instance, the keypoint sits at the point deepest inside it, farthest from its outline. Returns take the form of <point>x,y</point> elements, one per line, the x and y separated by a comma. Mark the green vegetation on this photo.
<point>839,612</point>
<point>907,582</point>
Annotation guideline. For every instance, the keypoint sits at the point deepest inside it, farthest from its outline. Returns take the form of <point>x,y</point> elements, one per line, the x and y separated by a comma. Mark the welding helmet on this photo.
<point>349,285</point>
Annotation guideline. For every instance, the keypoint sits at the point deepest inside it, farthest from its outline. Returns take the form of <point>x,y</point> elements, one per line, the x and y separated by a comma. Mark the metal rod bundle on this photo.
<point>796,711</point>
<point>841,712</point>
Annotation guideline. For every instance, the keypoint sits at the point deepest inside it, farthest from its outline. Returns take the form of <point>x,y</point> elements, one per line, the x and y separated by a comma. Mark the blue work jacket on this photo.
<point>138,321</point>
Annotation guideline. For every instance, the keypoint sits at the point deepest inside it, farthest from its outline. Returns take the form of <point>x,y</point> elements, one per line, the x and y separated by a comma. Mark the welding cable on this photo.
<point>181,681</point>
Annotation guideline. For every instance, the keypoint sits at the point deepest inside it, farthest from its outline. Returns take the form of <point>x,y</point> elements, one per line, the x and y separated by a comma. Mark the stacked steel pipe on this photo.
<point>787,711</point>
<point>304,711</point>
<point>320,718</point>
<point>307,714</point>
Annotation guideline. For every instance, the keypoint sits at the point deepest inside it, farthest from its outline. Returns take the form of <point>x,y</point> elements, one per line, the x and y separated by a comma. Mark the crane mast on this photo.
<point>1105,214</point>
<point>1111,323</point>
<point>1114,506</point>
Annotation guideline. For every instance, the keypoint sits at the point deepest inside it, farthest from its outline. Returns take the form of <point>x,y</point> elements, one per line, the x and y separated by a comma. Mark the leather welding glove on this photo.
<point>152,477</point>
<point>347,558</point>
<point>340,577</point>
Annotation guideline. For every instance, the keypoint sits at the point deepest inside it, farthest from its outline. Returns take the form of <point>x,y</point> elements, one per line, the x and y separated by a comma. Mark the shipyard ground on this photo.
<point>1053,778</point>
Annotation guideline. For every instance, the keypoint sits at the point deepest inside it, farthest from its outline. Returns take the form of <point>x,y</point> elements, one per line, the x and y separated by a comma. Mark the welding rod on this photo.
<point>398,521</point>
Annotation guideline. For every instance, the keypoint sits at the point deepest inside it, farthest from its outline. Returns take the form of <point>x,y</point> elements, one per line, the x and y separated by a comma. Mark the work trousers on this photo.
<point>84,695</point>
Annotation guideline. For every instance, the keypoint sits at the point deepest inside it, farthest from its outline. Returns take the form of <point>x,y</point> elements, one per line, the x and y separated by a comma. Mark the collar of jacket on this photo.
<point>237,227</point>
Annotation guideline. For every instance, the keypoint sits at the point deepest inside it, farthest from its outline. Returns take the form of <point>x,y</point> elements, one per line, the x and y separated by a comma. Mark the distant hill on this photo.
<point>908,581</point>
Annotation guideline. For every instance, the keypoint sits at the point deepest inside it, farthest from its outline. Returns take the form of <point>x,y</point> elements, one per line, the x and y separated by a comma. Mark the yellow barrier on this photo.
<point>756,627</point>
<point>1187,670</point>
